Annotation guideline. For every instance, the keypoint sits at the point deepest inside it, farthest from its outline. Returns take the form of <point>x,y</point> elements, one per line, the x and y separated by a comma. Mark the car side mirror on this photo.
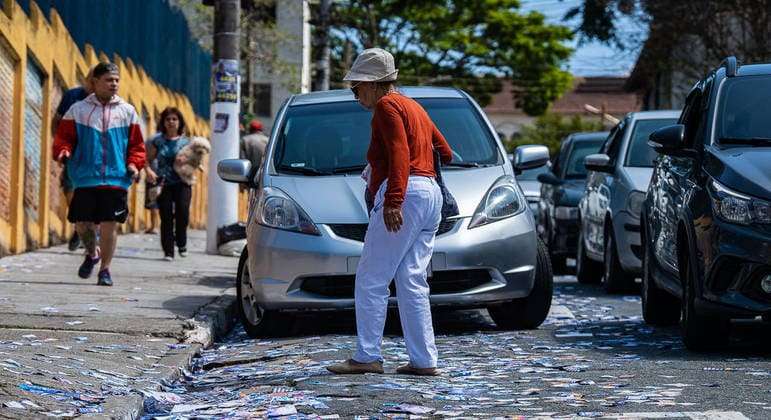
<point>598,162</point>
<point>549,178</point>
<point>235,170</point>
<point>667,140</point>
<point>529,157</point>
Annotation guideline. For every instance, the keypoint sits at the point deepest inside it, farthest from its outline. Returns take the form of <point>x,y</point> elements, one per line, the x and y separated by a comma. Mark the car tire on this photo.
<point>587,270</point>
<point>528,312</point>
<point>257,322</point>
<point>658,306</point>
<point>700,332</point>
<point>614,278</point>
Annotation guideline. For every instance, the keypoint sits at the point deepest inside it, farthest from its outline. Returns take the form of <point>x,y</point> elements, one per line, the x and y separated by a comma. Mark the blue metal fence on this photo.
<point>152,33</point>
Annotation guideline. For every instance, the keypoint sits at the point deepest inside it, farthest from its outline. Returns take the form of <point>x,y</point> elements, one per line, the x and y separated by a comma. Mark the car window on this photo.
<point>321,138</point>
<point>638,153</point>
<point>613,141</point>
<point>743,110</point>
<point>574,168</point>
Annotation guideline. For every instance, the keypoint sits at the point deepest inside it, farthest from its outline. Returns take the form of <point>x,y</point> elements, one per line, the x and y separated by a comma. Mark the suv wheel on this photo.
<point>528,312</point>
<point>256,321</point>
<point>700,332</point>
<point>658,306</point>
<point>587,270</point>
<point>614,279</point>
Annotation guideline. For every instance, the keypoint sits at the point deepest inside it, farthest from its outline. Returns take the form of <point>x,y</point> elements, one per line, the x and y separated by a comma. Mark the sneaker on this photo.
<point>74,242</point>
<point>352,367</point>
<point>183,253</point>
<point>168,258</point>
<point>104,278</point>
<point>87,268</point>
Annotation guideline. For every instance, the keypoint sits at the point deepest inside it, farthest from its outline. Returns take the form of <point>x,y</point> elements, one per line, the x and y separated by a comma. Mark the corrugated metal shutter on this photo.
<point>55,197</point>
<point>6,116</point>
<point>33,123</point>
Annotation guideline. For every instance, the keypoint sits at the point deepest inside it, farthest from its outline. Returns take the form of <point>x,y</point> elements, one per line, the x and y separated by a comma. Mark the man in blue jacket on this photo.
<point>101,141</point>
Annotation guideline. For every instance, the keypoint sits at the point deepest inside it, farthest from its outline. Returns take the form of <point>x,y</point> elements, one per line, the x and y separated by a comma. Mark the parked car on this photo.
<point>707,213</point>
<point>608,248</point>
<point>307,215</point>
<point>561,189</point>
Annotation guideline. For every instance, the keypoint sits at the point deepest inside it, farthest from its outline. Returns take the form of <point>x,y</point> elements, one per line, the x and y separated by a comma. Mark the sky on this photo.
<point>591,58</point>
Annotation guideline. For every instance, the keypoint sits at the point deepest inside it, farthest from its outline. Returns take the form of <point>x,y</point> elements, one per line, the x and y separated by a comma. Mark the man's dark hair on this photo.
<point>104,68</point>
<point>166,112</point>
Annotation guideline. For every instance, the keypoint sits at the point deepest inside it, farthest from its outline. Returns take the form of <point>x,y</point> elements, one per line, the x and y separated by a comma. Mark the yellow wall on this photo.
<point>57,55</point>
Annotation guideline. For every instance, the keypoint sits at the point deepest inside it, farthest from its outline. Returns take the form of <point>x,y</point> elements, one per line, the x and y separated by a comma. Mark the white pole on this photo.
<point>222,206</point>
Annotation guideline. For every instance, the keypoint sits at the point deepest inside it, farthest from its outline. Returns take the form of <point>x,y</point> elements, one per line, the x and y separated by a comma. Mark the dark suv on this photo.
<point>562,186</point>
<point>707,214</point>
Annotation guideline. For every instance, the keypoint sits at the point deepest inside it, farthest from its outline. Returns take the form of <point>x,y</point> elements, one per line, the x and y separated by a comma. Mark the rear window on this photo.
<point>639,154</point>
<point>575,168</point>
<point>334,137</point>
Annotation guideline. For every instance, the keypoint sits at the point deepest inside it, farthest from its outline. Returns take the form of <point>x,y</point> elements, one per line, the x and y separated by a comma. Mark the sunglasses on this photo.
<point>355,90</point>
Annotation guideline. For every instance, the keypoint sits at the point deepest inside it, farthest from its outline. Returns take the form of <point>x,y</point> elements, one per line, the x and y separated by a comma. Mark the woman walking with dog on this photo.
<point>174,200</point>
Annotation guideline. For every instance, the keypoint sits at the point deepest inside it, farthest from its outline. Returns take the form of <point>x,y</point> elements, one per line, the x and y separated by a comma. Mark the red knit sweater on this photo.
<point>403,140</point>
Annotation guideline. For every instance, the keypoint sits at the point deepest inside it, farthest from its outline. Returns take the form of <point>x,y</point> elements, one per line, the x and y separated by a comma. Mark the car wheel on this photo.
<point>658,307</point>
<point>700,332</point>
<point>614,279</point>
<point>257,322</point>
<point>528,312</point>
<point>587,270</point>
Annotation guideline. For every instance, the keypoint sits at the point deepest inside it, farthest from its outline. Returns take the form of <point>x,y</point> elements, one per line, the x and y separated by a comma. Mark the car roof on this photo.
<point>652,115</point>
<point>589,136</point>
<point>753,69</point>
<point>343,95</point>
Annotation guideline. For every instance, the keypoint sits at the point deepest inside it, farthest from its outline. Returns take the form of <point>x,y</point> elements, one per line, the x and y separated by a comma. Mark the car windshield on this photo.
<point>742,116</point>
<point>639,154</point>
<point>333,138</point>
<point>575,161</point>
<point>532,174</point>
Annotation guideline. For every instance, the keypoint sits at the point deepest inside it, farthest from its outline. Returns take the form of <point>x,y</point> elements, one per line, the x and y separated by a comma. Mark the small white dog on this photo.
<point>190,158</point>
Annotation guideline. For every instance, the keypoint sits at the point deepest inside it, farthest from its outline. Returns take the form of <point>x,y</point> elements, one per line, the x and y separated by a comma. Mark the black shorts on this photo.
<point>98,205</point>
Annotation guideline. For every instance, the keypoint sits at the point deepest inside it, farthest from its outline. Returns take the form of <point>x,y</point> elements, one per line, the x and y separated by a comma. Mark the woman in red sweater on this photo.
<point>403,222</point>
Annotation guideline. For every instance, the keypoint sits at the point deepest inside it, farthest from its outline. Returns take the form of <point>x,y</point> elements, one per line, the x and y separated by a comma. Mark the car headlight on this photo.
<point>278,211</point>
<point>635,202</point>
<point>735,207</point>
<point>565,213</point>
<point>502,201</point>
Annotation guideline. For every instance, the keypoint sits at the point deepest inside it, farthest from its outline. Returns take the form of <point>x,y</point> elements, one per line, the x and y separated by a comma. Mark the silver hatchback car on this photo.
<point>307,215</point>
<point>609,212</point>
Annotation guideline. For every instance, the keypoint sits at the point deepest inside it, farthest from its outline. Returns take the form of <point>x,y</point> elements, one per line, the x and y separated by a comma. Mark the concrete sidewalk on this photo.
<point>93,349</point>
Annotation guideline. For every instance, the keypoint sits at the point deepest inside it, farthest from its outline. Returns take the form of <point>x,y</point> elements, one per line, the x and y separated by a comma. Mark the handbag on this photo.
<point>449,205</point>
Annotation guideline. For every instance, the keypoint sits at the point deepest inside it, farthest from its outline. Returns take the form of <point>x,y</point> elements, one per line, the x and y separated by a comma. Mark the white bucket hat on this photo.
<point>373,65</point>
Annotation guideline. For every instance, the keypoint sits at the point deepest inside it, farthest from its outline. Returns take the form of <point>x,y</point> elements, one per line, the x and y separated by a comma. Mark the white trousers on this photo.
<point>402,256</point>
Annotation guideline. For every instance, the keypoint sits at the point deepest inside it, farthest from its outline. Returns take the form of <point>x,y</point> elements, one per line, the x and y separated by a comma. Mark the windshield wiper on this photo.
<point>750,141</point>
<point>346,169</point>
<point>462,164</point>
<point>305,170</point>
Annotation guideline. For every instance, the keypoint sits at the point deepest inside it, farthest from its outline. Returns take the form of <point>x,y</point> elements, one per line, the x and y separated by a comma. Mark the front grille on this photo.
<point>357,231</point>
<point>442,282</point>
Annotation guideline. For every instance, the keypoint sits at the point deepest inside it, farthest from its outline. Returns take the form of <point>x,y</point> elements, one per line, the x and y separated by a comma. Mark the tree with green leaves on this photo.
<point>550,129</point>
<point>470,44</point>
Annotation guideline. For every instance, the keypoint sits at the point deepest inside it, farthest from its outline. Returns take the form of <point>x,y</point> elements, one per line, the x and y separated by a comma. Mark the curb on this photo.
<point>211,322</point>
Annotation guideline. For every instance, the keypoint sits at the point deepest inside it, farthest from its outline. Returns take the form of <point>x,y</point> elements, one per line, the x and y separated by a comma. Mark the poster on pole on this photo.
<point>225,83</point>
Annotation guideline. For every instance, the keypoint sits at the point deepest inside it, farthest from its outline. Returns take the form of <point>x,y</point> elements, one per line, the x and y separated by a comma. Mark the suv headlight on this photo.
<point>635,202</point>
<point>735,207</point>
<point>276,210</point>
<point>502,201</point>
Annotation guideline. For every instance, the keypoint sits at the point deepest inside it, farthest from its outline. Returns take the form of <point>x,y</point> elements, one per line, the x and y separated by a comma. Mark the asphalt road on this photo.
<point>594,357</point>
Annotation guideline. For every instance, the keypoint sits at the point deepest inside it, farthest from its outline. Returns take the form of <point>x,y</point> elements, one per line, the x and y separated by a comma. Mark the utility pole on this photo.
<point>224,117</point>
<point>322,65</point>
